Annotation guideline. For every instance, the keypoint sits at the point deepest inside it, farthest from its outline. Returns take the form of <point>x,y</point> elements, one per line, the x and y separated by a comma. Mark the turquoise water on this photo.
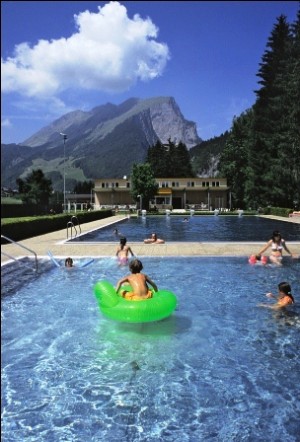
<point>219,369</point>
<point>197,228</point>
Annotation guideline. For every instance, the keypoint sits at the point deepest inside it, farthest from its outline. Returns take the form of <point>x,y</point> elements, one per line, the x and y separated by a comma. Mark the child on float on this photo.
<point>123,251</point>
<point>138,283</point>
<point>284,297</point>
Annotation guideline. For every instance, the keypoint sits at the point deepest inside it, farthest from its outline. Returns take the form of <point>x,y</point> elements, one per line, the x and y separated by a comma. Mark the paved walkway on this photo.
<point>55,242</point>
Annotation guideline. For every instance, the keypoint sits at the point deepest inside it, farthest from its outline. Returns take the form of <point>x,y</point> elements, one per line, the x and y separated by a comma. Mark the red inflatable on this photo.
<point>256,259</point>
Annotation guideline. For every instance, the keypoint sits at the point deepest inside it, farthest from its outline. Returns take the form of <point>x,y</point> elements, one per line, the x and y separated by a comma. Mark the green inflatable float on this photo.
<point>113,306</point>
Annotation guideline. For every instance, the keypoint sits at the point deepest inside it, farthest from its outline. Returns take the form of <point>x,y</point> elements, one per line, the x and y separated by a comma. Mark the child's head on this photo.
<point>285,288</point>
<point>69,262</point>
<point>154,236</point>
<point>135,266</point>
<point>123,241</point>
<point>276,236</point>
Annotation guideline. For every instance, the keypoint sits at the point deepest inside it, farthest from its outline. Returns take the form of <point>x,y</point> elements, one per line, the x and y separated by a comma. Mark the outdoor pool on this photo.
<point>219,369</point>
<point>196,229</point>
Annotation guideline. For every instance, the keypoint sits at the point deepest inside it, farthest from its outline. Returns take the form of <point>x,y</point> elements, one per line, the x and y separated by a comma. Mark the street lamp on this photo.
<point>64,138</point>
<point>140,197</point>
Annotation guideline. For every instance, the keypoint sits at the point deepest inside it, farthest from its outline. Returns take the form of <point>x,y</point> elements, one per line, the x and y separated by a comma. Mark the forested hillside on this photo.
<point>205,156</point>
<point>261,158</point>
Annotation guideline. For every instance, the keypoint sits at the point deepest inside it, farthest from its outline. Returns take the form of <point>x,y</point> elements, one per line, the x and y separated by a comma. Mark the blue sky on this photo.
<point>58,56</point>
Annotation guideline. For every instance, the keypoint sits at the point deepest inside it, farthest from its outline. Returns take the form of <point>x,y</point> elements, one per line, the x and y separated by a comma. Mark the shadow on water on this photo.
<point>166,327</point>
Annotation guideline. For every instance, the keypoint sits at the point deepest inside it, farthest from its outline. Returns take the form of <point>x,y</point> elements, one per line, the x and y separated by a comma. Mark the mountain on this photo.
<point>103,142</point>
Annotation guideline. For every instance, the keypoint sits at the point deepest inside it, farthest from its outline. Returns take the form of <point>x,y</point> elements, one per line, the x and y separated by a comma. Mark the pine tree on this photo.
<point>234,158</point>
<point>265,184</point>
<point>170,160</point>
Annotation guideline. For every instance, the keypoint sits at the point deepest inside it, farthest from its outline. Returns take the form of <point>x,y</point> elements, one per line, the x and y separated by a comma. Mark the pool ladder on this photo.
<point>71,224</point>
<point>23,247</point>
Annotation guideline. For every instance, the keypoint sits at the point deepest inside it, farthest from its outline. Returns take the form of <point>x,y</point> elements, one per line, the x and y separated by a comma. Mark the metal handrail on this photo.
<point>71,225</point>
<point>23,247</point>
<point>76,219</point>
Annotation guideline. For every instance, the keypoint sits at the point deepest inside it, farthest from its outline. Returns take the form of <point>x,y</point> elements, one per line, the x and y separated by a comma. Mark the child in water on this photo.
<point>284,297</point>
<point>123,251</point>
<point>277,244</point>
<point>69,262</point>
<point>138,282</point>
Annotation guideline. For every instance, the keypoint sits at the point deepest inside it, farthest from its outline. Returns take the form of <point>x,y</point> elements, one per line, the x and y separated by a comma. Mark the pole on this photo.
<point>64,138</point>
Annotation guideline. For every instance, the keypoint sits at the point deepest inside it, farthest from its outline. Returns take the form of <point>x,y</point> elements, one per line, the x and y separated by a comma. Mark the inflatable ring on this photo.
<point>255,260</point>
<point>113,306</point>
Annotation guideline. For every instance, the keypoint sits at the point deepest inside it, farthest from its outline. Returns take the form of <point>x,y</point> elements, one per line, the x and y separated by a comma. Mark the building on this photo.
<point>173,193</point>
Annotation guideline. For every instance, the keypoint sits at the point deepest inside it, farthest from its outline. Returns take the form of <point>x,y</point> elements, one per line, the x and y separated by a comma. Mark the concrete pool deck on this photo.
<point>56,242</point>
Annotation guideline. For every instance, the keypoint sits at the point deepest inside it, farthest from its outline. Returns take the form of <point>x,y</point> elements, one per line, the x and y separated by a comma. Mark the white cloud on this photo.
<point>109,53</point>
<point>6,122</point>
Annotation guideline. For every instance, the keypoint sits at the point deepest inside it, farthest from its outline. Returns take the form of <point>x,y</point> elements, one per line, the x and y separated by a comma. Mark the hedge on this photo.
<point>23,228</point>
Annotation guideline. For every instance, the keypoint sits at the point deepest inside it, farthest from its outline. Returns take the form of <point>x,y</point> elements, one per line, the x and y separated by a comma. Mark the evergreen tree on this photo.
<point>170,160</point>
<point>158,157</point>
<point>234,158</point>
<point>83,187</point>
<point>36,188</point>
<point>265,184</point>
<point>290,141</point>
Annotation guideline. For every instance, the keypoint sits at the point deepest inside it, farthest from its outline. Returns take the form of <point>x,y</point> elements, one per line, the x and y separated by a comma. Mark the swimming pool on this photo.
<point>219,369</point>
<point>197,228</point>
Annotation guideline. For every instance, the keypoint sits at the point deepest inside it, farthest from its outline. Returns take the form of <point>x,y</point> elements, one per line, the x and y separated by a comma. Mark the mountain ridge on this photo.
<point>102,142</point>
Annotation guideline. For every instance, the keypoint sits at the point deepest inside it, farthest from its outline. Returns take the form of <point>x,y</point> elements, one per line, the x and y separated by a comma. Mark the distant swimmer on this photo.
<point>154,240</point>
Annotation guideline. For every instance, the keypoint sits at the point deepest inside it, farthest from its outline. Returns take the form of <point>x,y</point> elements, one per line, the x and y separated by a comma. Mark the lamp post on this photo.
<point>64,138</point>
<point>140,197</point>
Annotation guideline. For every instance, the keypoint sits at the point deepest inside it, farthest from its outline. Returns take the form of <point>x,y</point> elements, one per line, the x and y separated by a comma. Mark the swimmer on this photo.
<point>123,251</point>
<point>138,282</point>
<point>284,297</point>
<point>116,232</point>
<point>154,240</point>
<point>277,244</point>
<point>185,220</point>
<point>69,262</point>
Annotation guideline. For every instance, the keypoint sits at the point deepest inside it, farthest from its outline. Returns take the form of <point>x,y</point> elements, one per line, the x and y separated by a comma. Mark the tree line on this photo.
<point>261,158</point>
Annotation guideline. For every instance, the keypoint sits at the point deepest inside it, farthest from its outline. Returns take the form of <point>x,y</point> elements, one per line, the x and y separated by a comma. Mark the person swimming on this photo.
<point>123,252</point>
<point>153,240</point>
<point>284,297</point>
<point>69,262</point>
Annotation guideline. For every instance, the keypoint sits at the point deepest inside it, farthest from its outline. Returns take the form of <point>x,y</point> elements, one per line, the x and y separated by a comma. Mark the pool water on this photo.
<point>196,229</point>
<point>219,369</point>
